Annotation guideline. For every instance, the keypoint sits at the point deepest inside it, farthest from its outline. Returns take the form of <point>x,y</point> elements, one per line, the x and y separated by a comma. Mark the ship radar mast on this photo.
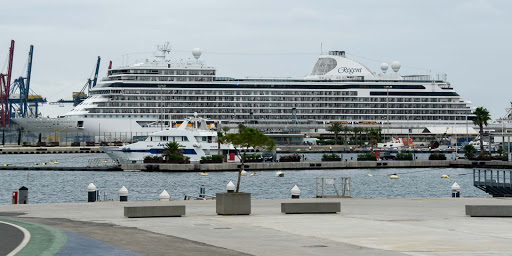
<point>162,50</point>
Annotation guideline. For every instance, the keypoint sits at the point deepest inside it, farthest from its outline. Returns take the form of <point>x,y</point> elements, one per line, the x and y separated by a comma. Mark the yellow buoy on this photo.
<point>56,162</point>
<point>44,163</point>
<point>51,162</point>
<point>254,174</point>
<point>369,175</point>
<point>5,164</point>
<point>204,174</point>
<point>394,176</point>
<point>444,176</point>
<point>243,173</point>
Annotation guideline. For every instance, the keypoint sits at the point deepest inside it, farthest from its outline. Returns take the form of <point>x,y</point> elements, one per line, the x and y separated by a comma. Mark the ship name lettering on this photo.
<point>349,70</point>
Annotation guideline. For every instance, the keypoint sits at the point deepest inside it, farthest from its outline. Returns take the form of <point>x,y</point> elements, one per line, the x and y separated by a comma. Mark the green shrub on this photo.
<point>367,156</point>
<point>437,156</point>
<point>404,156</point>
<point>216,157</point>
<point>292,157</point>
<point>325,156</point>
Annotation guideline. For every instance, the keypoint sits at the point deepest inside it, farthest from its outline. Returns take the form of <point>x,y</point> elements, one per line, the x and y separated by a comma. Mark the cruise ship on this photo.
<point>149,96</point>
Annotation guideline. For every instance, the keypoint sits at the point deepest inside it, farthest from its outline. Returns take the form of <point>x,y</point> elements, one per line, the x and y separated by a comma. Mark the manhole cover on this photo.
<point>315,246</point>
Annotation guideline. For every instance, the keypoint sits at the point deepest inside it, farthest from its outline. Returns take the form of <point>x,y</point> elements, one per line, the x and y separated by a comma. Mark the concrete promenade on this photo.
<point>363,227</point>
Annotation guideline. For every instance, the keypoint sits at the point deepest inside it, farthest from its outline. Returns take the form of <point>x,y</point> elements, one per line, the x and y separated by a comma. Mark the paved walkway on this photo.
<point>10,237</point>
<point>364,227</point>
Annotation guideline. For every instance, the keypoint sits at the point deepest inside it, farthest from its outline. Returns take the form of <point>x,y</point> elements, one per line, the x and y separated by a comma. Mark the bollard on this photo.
<point>230,187</point>
<point>295,192</point>
<point>165,196</point>
<point>91,193</point>
<point>23,195</point>
<point>15,196</point>
<point>455,190</point>
<point>123,194</point>
<point>202,191</point>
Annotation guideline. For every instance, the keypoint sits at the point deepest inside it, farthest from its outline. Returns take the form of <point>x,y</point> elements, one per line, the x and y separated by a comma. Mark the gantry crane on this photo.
<point>5,81</point>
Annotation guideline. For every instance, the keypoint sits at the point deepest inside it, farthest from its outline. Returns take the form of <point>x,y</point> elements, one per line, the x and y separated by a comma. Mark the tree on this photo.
<point>172,149</point>
<point>221,134</point>
<point>345,129</point>
<point>469,150</point>
<point>358,130</point>
<point>374,136</point>
<point>482,116</point>
<point>245,139</point>
<point>335,127</point>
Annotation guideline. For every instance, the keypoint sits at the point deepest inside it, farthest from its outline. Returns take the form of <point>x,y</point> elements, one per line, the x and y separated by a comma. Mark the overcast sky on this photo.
<point>468,40</point>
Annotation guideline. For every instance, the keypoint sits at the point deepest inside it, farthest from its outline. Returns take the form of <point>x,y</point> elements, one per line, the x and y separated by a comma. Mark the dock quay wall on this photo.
<point>49,150</point>
<point>315,165</point>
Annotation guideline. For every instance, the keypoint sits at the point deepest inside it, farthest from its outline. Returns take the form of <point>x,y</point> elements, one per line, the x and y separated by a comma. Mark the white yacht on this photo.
<point>194,136</point>
<point>393,144</point>
<point>142,98</point>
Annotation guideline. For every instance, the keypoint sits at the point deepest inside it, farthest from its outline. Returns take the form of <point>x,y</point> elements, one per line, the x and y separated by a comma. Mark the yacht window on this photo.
<point>204,138</point>
<point>184,138</point>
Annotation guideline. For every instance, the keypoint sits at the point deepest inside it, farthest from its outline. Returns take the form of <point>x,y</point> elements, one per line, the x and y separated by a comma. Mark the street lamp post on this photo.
<point>161,86</point>
<point>467,133</point>
<point>387,106</point>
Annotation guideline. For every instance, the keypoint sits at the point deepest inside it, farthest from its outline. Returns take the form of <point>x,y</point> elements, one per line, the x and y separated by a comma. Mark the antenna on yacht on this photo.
<point>162,51</point>
<point>321,48</point>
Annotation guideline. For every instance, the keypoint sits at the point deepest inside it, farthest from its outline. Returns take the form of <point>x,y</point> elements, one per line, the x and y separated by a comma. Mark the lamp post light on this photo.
<point>387,105</point>
<point>161,86</point>
<point>467,133</point>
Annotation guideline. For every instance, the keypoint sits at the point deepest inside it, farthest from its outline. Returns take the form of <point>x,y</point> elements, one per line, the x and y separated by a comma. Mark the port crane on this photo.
<point>91,83</point>
<point>80,96</point>
<point>19,106</point>
<point>5,82</point>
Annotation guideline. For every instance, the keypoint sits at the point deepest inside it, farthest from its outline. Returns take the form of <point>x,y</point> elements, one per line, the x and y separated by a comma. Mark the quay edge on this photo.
<point>315,165</point>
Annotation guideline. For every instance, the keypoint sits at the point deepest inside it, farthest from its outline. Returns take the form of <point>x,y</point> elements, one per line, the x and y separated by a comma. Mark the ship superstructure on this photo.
<point>145,97</point>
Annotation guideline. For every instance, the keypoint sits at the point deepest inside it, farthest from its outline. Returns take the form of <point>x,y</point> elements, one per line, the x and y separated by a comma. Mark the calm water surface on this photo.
<point>57,187</point>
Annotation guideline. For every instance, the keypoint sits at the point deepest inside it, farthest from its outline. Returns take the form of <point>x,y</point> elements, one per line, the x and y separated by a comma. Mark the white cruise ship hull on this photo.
<point>92,126</point>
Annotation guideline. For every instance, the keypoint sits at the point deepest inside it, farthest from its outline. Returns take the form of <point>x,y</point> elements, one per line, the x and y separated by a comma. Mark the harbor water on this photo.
<point>59,187</point>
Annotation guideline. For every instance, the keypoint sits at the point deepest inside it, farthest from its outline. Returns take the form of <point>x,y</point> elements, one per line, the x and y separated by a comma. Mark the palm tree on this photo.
<point>357,130</point>
<point>345,129</point>
<point>172,148</point>
<point>374,137</point>
<point>221,134</point>
<point>482,116</point>
<point>336,128</point>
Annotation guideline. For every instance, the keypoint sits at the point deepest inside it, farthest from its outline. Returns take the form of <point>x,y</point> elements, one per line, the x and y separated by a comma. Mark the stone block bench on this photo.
<point>310,207</point>
<point>489,210</point>
<point>154,211</point>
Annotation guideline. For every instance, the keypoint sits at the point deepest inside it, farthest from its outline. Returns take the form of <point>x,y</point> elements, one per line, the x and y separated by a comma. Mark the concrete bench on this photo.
<point>311,207</point>
<point>154,211</point>
<point>489,210</point>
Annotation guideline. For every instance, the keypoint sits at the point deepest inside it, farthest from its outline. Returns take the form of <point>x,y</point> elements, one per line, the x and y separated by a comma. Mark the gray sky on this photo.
<point>469,40</point>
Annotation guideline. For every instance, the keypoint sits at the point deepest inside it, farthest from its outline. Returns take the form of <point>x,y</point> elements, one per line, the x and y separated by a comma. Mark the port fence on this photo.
<point>24,138</point>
